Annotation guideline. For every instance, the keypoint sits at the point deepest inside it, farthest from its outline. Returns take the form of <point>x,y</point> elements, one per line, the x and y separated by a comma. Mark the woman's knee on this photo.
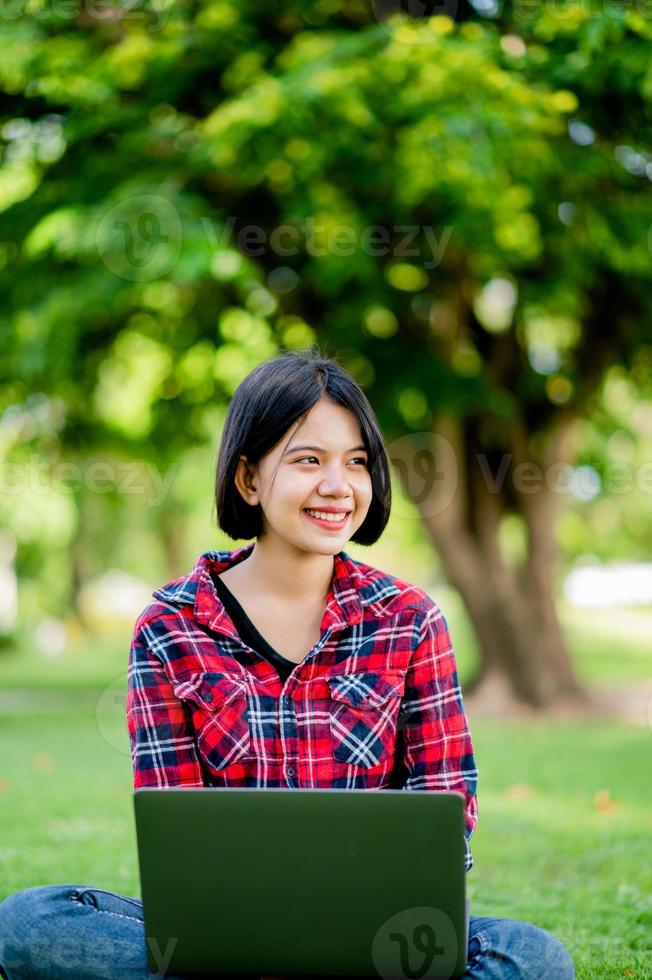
<point>28,920</point>
<point>22,907</point>
<point>559,962</point>
<point>547,957</point>
<point>526,951</point>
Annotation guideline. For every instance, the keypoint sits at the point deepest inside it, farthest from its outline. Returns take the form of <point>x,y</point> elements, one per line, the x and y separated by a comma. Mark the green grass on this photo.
<point>565,809</point>
<point>568,847</point>
<point>88,662</point>
<point>609,645</point>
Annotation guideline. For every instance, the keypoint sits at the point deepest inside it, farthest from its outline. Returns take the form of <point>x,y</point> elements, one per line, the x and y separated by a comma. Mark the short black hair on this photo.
<point>264,406</point>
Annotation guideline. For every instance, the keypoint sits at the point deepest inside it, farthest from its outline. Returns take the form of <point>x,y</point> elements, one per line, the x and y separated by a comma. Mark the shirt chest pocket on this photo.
<point>363,717</point>
<point>219,712</point>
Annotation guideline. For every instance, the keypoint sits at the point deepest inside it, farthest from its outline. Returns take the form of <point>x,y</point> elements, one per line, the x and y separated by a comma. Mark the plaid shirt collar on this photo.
<point>354,586</point>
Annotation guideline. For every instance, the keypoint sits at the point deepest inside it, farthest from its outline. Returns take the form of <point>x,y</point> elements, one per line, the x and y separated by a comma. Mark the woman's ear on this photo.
<point>245,477</point>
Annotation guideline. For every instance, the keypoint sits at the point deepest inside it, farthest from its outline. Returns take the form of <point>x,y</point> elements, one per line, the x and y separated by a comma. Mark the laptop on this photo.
<point>316,882</point>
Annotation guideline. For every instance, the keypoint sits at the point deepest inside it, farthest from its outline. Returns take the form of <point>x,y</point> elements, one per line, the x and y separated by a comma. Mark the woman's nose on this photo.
<point>335,484</point>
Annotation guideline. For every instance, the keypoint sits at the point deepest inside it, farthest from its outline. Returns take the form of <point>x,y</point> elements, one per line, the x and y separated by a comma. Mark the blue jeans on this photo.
<point>76,932</point>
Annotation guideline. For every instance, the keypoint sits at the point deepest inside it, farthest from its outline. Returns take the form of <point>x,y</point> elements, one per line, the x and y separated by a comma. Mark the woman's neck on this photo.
<point>284,575</point>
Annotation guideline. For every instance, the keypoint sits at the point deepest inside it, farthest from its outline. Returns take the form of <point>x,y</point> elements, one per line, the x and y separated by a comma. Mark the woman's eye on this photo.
<point>357,459</point>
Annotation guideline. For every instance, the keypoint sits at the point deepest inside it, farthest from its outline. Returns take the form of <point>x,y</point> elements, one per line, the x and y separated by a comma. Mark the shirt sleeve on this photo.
<point>163,749</point>
<point>437,745</point>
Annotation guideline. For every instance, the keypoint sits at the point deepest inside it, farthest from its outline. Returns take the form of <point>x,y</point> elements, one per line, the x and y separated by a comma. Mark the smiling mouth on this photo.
<point>334,521</point>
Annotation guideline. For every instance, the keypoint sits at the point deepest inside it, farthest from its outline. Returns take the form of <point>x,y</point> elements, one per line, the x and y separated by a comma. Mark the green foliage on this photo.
<point>229,110</point>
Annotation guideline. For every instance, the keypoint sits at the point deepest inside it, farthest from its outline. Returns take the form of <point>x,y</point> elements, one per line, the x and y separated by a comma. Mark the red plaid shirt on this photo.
<point>375,704</point>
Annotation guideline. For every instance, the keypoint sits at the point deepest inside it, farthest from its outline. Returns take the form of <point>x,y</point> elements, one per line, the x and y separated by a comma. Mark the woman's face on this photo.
<point>292,482</point>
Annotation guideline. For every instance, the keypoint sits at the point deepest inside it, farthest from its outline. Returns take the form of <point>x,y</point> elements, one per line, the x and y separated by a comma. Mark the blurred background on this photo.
<point>454,201</point>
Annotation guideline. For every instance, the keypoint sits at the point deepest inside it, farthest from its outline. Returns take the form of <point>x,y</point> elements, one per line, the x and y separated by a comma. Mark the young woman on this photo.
<point>284,663</point>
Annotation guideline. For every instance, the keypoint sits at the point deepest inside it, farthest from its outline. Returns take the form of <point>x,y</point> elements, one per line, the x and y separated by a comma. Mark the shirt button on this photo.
<point>208,697</point>
<point>290,771</point>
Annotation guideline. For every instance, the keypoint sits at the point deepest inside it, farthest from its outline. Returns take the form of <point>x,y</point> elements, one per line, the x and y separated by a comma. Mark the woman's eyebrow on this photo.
<point>318,449</point>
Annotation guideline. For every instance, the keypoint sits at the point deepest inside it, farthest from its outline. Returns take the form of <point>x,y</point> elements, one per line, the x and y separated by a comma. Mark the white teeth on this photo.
<point>322,515</point>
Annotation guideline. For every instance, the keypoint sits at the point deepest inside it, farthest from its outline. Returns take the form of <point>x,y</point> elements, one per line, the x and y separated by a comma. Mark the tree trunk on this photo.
<point>523,655</point>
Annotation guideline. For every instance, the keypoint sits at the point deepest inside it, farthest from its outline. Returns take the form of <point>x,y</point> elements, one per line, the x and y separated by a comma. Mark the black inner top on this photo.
<point>248,632</point>
<point>250,635</point>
